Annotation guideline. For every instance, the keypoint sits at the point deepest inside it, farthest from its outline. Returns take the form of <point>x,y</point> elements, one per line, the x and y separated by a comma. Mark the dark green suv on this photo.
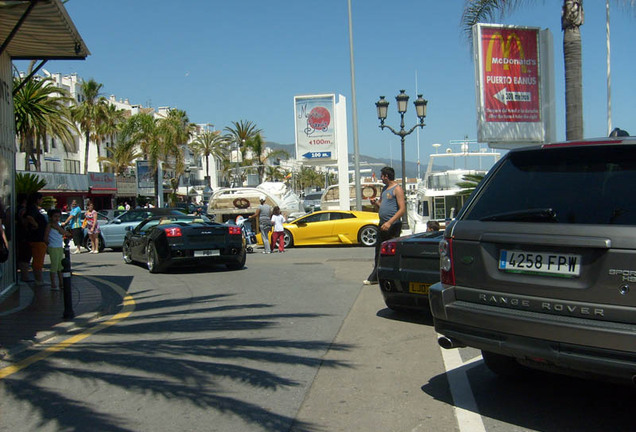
<point>538,267</point>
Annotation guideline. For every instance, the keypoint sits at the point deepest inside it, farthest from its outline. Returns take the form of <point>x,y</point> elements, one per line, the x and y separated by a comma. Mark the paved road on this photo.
<point>292,342</point>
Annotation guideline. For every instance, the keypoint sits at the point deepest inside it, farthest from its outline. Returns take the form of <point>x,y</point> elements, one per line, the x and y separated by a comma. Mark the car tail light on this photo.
<point>173,232</point>
<point>388,248</point>
<point>235,230</point>
<point>447,271</point>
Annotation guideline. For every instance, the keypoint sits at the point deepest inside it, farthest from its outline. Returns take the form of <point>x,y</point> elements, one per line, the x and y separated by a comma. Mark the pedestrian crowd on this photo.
<point>39,233</point>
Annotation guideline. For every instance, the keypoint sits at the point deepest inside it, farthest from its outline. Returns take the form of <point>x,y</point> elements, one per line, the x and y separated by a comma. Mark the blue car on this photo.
<point>113,232</point>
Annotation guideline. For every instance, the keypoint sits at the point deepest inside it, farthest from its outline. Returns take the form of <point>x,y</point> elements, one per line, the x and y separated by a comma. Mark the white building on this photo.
<point>58,159</point>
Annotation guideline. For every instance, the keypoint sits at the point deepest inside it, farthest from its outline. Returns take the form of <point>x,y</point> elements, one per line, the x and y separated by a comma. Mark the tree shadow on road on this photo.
<point>206,352</point>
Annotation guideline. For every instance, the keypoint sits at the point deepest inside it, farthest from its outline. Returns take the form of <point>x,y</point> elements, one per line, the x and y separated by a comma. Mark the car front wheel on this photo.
<point>368,235</point>
<point>127,253</point>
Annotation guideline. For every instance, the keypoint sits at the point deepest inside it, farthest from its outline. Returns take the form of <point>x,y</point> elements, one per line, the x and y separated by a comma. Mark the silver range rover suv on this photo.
<point>539,268</point>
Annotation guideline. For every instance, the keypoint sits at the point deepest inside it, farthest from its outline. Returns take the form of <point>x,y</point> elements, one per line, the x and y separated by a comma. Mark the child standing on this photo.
<point>278,235</point>
<point>54,239</point>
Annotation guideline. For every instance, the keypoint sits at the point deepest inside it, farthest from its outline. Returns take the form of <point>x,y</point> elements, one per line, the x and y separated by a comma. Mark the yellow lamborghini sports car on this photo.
<point>332,227</point>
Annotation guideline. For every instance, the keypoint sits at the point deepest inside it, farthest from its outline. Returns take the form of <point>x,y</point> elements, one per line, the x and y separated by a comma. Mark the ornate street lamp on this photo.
<point>402,103</point>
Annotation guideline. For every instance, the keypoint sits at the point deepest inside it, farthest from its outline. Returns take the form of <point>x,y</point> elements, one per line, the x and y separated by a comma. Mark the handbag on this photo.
<point>84,223</point>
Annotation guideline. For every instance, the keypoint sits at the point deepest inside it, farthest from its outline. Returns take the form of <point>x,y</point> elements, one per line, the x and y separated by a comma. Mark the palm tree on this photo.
<point>260,155</point>
<point>175,132</point>
<point>41,109</point>
<point>209,143</point>
<point>87,112</point>
<point>274,173</point>
<point>240,132</point>
<point>572,19</point>
<point>161,141</point>
<point>310,177</point>
<point>123,154</point>
<point>109,119</point>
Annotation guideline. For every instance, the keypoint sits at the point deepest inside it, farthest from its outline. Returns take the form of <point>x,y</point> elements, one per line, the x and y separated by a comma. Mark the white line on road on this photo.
<point>466,410</point>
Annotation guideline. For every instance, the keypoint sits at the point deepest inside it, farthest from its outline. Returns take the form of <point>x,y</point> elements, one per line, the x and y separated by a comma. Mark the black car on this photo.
<point>408,266</point>
<point>164,241</point>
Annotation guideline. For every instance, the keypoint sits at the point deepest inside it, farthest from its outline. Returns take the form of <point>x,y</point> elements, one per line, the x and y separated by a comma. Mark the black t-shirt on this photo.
<point>36,234</point>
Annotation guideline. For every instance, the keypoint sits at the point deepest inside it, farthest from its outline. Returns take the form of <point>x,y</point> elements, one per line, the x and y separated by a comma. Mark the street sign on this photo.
<point>317,155</point>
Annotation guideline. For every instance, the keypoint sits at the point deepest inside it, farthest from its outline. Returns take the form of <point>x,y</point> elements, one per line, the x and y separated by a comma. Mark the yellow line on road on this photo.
<point>129,307</point>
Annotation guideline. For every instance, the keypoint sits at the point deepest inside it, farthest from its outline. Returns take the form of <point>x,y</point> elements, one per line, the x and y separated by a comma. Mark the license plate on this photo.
<point>546,263</point>
<point>418,287</point>
<point>208,252</point>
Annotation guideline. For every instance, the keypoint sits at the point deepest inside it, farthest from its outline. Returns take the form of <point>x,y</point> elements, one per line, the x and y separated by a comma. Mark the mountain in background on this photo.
<point>369,162</point>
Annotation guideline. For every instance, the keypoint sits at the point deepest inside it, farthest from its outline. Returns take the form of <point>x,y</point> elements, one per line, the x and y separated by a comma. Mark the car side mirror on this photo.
<point>116,221</point>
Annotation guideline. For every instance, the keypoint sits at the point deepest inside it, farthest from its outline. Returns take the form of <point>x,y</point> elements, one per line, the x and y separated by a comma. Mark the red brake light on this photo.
<point>388,248</point>
<point>173,232</point>
<point>234,230</point>
<point>447,270</point>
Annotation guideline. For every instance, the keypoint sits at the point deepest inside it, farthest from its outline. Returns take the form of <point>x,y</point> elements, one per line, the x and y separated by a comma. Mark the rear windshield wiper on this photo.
<point>529,215</point>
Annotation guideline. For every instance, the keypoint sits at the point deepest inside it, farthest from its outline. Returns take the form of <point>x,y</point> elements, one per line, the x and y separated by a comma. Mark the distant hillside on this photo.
<point>367,162</point>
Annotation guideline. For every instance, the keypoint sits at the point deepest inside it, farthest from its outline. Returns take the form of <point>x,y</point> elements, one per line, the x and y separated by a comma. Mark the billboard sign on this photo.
<point>145,178</point>
<point>510,84</point>
<point>315,121</point>
<point>511,75</point>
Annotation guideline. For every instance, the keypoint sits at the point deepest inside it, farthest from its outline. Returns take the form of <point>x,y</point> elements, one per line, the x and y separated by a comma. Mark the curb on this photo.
<point>60,329</point>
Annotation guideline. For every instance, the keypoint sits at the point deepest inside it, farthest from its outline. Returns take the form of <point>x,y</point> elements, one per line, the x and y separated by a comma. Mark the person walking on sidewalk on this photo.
<point>392,207</point>
<point>75,219</point>
<point>36,226</point>
<point>264,216</point>
<point>54,238</point>
<point>22,247</point>
<point>278,234</point>
<point>92,225</point>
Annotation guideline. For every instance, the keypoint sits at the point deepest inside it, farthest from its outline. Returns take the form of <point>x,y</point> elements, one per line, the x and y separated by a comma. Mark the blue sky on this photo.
<point>224,61</point>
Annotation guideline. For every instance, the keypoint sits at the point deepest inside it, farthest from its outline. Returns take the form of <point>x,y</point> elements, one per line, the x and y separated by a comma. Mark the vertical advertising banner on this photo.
<point>314,118</point>
<point>145,179</point>
<point>511,74</point>
<point>509,83</point>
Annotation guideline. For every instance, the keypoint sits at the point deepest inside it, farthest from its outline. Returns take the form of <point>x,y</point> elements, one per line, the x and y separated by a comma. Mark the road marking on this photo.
<point>465,406</point>
<point>129,307</point>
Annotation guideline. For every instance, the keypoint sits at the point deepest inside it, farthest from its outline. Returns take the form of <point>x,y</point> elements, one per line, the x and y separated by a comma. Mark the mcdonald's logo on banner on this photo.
<point>505,58</point>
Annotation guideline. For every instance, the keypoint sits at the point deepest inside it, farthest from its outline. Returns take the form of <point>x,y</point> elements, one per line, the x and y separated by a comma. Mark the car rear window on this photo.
<point>573,185</point>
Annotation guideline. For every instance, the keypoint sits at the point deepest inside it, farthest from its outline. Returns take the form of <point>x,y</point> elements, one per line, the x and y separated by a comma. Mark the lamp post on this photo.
<point>187,172</point>
<point>420,110</point>
<point>237,153</point>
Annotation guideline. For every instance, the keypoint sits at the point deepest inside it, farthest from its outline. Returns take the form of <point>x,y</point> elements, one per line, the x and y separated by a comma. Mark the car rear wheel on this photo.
<point>127,253</point>
<point>239,263</point>
<point>503,365</point>
<point>368,235</point>
<point>153,259</point>
<point>289,240</point>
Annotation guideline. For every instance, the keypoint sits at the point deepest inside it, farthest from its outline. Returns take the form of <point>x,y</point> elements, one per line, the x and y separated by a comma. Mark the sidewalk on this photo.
<point>34,314</point>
